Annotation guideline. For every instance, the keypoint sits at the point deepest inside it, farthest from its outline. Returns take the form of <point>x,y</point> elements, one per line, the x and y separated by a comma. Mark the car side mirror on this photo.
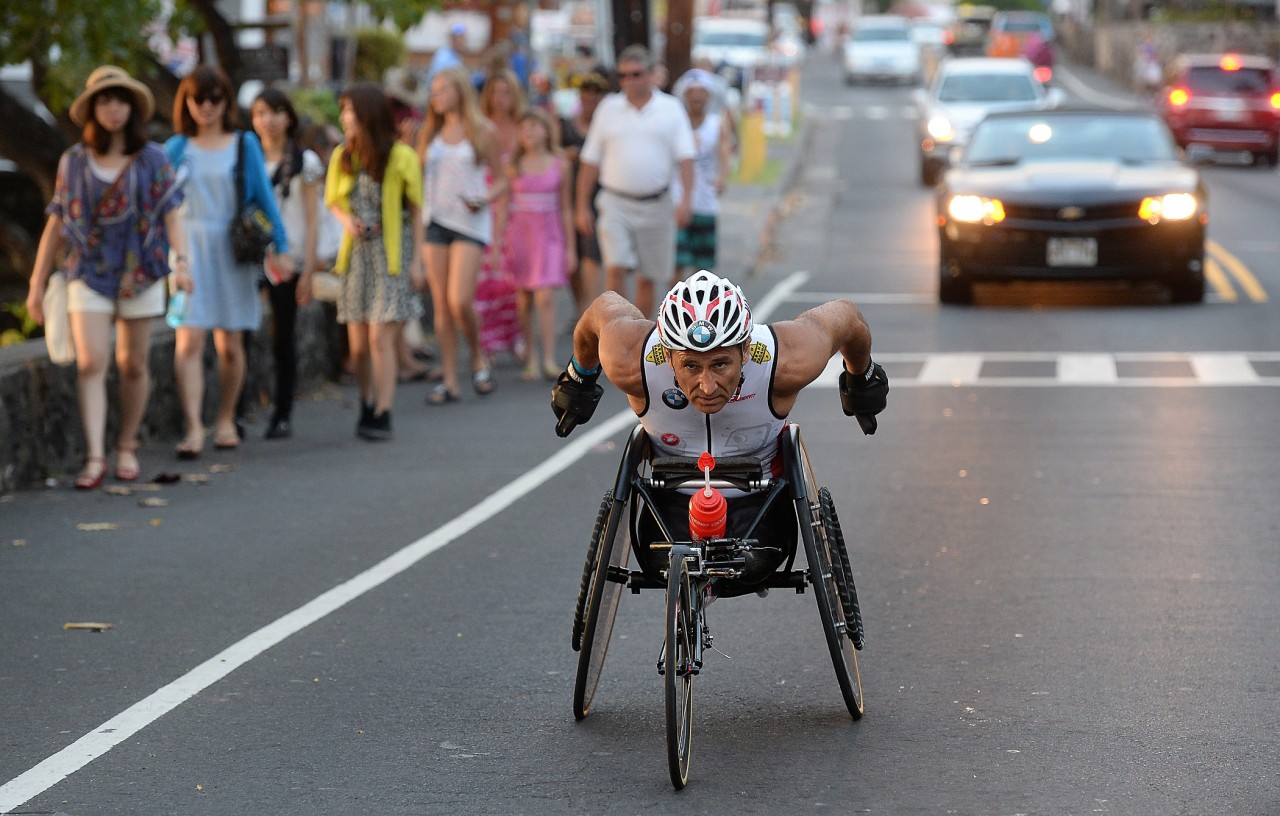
<point>921,98</point>
<point>1055,97</point>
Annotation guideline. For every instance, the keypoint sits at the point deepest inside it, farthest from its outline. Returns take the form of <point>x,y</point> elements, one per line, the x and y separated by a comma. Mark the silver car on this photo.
<point>881,49</point>
<point>964,91</point>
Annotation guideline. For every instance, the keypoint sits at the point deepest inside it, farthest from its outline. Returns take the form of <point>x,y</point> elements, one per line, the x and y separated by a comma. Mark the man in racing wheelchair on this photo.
<point>705,378</point>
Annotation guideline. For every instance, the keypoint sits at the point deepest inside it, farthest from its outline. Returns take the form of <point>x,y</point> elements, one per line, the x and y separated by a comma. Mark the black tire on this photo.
<point>953,289</point>
<point>602,599</point>
<point>826,591</point>
<point>678,672</point>
<point>844,572</point>
<point>1187,289</point>
<point>589,569</point>
<point>929,172</point>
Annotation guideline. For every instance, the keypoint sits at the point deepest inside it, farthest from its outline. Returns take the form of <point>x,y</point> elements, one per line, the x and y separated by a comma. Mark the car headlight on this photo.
<point>1171,207</point>
<point>973,209</point>
<point>941,129</point>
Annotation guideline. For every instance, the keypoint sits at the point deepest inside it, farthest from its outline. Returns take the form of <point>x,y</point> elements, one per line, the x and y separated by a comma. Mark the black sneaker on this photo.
<point>366,417</point>
<point>279,428</point>
<point>379,427</point>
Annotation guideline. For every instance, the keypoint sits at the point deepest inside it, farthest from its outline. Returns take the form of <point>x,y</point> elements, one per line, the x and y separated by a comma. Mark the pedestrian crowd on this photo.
<point>476,203</point>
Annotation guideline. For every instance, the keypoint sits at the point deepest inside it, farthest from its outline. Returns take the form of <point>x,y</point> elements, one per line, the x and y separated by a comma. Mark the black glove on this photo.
<point>574,398</point>
<point>864,395</point>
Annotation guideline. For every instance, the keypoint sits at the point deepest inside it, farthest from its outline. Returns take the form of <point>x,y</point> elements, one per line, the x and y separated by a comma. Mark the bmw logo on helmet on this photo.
<point>702,334</point>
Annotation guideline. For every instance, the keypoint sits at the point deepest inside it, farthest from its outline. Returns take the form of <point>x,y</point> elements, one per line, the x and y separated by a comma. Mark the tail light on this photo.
<point>948,37</point>
<point>1275,100</point>
<point>1044,73</point>
<point>1178,97</point>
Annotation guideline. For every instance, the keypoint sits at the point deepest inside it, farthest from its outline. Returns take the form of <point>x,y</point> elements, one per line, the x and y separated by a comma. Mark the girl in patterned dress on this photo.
<point>115,209</point>
<point>539,219</point>
<point>374,189</point>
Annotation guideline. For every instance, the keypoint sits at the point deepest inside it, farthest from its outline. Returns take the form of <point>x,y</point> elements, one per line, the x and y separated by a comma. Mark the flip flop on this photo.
<point>191,447</point>
<point>482,382</point>
<point>126,473</point>
<point>441,395</point>
<point>87,482</point>
<point>226,440</point>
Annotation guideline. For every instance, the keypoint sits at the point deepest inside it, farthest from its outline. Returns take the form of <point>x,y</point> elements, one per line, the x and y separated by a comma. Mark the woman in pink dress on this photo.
<point>539,217</point>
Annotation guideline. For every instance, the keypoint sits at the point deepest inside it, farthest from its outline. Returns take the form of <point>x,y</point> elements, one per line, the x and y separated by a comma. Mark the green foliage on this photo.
<point>82,33</point>
<point>401,13</point>
<point>315,104</point>
<point>16,325</point>
<point>1212,13</point>
<point>376,51</point>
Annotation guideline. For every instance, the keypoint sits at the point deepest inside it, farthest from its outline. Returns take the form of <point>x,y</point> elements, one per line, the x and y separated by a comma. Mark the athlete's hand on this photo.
<point>574,398</point>
<point>864,395</point>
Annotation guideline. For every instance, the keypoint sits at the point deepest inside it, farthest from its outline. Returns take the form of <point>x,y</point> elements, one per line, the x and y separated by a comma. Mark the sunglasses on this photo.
<point>631,74</point>
<point>212,99</point>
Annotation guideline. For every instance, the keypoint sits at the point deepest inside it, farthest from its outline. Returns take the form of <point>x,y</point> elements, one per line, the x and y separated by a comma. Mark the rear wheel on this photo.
<point>843,568</point>
<point>589,569</point>
<point>613,549</point>
<point>826,590</point>
<point>679,669</point>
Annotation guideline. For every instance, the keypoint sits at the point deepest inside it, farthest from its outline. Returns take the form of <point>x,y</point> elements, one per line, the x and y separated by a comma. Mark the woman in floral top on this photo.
<point>114,210</point>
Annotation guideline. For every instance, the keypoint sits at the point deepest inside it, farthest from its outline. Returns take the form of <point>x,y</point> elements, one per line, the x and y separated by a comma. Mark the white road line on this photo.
<point>1223,369</point>
<point>129,722</point>
<point>950,369</point>
<point>1091,369</point>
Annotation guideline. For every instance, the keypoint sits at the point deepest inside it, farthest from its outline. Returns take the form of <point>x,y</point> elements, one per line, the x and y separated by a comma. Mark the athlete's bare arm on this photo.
<point>611,333</point>
<point>807,343</point>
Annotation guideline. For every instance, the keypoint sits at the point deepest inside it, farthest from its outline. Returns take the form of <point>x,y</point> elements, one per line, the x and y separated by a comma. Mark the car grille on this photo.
<point>1058,212</point>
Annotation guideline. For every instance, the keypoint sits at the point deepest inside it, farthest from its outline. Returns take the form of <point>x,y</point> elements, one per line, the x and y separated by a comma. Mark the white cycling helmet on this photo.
<point>702,313</point>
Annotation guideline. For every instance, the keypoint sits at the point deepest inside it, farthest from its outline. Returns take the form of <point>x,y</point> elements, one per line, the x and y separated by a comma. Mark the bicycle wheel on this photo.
<point>826,590</point>
<point>678,660</point>
<point>589,569</point>
<point>613,548</point>
<point>844,568</point>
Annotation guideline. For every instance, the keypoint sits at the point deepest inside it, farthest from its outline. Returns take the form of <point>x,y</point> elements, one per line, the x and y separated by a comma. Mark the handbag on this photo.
<point>57,322</point>
<point>251,230</point>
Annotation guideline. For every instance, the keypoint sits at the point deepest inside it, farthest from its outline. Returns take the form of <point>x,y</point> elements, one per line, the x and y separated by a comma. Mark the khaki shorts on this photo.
<point>639,236</point>
<point>147,303</point>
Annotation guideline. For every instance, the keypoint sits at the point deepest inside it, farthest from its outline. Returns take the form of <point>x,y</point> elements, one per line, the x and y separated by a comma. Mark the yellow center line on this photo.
<point>1247,281</point>
<point>1218,280</point>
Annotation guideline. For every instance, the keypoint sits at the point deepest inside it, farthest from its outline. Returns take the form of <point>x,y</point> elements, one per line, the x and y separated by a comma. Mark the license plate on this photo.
<point>1073,252</point>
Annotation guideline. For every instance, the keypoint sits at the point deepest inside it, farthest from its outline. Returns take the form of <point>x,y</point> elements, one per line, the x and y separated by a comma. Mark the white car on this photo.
<point>735,46</point>
<point>966,89</point>
<point>880,48</point>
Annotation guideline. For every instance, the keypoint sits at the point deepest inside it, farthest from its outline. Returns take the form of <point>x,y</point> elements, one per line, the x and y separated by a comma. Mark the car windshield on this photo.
<point>881,35</point>
<point>987,88</point>
<point>1023,26</point>
<point>1212,79</point>
<point>731,38</point>
<point>1130,139</point>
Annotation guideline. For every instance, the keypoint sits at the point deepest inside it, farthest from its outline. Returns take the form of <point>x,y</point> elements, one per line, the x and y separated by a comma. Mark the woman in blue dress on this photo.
<point>225,299</point>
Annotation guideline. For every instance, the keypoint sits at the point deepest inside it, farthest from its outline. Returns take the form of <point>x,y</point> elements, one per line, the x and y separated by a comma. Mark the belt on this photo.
<point>651,197</point>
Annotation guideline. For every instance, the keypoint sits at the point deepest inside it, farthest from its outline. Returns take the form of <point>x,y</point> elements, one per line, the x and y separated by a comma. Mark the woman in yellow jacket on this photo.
<point>374,189</point>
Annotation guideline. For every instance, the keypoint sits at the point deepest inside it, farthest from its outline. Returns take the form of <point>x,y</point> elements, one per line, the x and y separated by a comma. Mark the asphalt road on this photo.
<point>1069,589</point>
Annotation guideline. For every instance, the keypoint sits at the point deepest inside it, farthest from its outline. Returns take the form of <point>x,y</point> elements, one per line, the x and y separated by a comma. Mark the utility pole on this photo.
<point>630,24</point>
<point>679,36</point>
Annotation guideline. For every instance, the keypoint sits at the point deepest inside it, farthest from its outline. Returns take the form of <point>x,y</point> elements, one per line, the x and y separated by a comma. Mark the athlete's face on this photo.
<point>708,378</point>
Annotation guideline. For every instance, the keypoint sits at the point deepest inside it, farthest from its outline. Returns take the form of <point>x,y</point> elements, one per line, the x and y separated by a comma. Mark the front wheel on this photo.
<point>679,669</point>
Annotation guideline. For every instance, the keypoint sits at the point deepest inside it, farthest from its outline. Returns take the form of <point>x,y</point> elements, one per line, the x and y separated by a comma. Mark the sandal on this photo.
<point>126,472</point>
<point>440,395</point>
<point>88,479</point>
<point>530,373</point>
<point>191,447</point>
<point>482,381</point>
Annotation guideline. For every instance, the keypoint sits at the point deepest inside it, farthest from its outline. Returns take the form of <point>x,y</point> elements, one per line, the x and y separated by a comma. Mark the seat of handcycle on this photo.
<point>744,472</point>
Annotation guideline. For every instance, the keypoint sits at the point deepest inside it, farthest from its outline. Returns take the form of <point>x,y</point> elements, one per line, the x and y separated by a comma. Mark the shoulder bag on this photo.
<point>251,230</point>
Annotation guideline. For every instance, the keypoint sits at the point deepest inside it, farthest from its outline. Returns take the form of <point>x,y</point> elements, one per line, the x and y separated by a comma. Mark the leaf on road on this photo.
<point>220,468</point>
<point>156,522</point>
<point>97,526</point>
<point>117,490</point>
<point>153,501</point>
<point>196,478</point>
<point>167,478</point>
<point>19,542</point>
<point>89,626</point>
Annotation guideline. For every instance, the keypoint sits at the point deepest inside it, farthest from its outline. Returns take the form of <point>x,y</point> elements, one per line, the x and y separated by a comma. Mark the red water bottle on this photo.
<point>708,511</point>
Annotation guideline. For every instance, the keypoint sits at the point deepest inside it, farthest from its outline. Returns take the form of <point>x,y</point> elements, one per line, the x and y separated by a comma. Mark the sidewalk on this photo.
<point>40,438</point>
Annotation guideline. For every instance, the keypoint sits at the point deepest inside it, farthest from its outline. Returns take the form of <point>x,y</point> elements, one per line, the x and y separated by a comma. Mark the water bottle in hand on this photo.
<point>177,313</point>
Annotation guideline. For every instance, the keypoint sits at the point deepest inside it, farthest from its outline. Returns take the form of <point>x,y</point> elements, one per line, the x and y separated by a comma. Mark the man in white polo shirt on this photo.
<point>638,140</point>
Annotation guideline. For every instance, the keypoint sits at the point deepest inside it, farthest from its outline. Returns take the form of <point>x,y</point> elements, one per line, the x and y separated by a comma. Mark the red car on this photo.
<point>1225,102</point>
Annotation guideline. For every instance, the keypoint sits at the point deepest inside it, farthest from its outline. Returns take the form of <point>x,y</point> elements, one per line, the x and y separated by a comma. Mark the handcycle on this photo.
<point>692,566</point>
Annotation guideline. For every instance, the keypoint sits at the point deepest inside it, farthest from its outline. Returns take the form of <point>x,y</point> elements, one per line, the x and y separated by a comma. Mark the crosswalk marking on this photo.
<point>1072,369</point>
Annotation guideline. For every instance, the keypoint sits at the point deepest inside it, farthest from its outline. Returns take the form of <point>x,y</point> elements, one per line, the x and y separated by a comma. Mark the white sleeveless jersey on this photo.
<point>746,426</point>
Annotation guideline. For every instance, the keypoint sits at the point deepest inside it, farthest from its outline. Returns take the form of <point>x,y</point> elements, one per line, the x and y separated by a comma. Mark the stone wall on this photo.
<point>1110,48</point>
<point>40,433</point>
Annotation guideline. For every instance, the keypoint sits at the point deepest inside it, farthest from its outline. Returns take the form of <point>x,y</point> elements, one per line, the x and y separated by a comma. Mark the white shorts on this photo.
<point>637,235</point>
<point>147,303</point>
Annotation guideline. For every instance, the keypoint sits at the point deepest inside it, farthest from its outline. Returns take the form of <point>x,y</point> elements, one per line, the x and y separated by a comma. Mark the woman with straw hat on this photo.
<point>115,211</point>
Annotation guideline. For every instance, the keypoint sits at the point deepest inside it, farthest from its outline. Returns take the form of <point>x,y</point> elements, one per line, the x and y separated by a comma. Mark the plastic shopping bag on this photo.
<point>57,322</point>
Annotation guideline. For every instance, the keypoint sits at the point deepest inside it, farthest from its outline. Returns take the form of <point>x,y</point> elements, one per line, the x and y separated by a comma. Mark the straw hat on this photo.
<point>402,85</point>
<point>109,76</point>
